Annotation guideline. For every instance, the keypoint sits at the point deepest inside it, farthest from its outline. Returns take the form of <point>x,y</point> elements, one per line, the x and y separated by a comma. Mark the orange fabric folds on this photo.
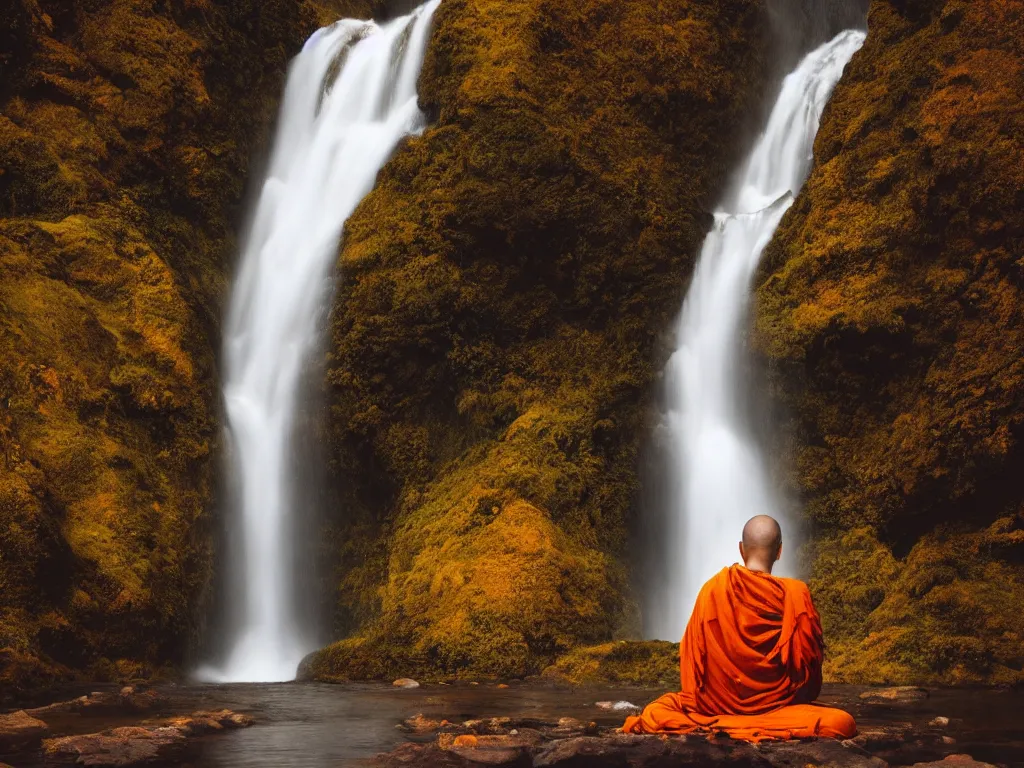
<point>750,664</point>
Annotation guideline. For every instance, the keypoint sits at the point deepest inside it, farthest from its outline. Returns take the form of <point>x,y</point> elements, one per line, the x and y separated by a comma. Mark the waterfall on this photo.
<point>349,99</point>
<point>719,479</point>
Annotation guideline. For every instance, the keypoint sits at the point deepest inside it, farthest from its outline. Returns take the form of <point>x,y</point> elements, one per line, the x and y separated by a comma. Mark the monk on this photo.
<point>750,660</point>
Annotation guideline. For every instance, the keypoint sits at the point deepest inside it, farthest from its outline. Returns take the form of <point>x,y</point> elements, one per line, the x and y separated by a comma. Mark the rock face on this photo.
<point>889,313</point>
<point>493,341</point>
<point>126,131</point>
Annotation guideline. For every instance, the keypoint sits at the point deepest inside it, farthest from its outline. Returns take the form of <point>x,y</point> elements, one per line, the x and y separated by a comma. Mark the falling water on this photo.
<point>350,98</point>
<point>720,478</point>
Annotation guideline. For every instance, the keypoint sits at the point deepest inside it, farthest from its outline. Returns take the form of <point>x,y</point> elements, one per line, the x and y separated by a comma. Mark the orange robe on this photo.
<point>750,665</point>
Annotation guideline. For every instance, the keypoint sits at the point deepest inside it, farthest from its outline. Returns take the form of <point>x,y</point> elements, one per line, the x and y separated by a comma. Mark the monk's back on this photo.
<point>750,660</point>
<point>753,644</point>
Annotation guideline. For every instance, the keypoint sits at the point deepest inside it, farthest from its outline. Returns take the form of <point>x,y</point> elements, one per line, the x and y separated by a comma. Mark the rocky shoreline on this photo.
<point>461,724</point>
<point>154,741</point>
<point>571,743</point>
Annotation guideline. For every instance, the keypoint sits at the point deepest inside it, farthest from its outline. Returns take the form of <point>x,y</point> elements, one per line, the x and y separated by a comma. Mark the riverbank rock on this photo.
<point>141,745</point>
<point>118,747</point>
<point>128,700</point>
<point>405,682</point>
<point>616,750</point>
<point>889,318</point>
<point>20,730</point>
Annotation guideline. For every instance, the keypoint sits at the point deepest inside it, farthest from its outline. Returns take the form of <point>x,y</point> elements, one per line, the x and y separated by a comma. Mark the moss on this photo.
<point>493,340</point>
<point>653,664</point>
<point>124,143</point>
<point>889,315</point>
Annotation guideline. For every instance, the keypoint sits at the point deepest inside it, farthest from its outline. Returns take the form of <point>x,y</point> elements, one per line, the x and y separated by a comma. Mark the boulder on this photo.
<point>405,682</point>
<point>118,747</point>
<point>20,730</point>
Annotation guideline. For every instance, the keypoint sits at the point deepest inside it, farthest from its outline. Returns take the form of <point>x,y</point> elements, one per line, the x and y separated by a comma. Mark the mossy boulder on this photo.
<point>889,314</point>
<point>652,663</point>
<point>126,131</point>
<point>494,338</point>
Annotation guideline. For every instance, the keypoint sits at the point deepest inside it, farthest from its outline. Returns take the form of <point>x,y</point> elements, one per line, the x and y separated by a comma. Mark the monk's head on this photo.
<point>762,543</point>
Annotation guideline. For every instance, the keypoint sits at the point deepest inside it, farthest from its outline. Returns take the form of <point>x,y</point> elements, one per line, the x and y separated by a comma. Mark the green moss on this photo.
<point>889,315</point>
<point>493,341</point>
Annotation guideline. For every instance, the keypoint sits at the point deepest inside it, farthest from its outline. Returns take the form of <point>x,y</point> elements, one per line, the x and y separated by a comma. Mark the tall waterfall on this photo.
<point>350,98</point>
<point>719,477</point>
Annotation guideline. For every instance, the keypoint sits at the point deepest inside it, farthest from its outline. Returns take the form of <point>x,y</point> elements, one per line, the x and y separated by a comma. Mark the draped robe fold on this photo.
<point>750,665</point>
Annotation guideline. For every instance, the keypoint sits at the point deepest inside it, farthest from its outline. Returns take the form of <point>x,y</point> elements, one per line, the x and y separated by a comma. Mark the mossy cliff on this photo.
<point>125,136</point>
<point>889,313</point>
<point>492,348</point>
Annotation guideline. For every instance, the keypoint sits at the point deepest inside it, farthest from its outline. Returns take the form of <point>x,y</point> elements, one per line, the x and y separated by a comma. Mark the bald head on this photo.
<point>762,543</point>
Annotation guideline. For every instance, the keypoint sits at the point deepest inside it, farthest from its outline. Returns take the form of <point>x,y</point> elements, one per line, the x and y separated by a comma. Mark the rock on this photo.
<point>948,740</point>
<point>940,722</point>
<point>128,699</point>
<point>20,730</point>
<point>202,723</point>
<point>118,747</point>
<point>466,740</point>
<point>420,724</point>
<point>954,761</point>
<point>828,752</point>
<point>405,682</point>
<point>502,685</point>
<point>900,694</point>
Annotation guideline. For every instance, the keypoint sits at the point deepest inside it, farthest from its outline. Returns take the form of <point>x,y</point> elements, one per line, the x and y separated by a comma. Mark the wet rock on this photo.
<point>940,722</point>
<point>873,739</point>
<point>420,724</point>
<point>20,730</point>
<point>954,761</point>
<point>900,694</point>
<point>202,723</point>
<point>128,699</point>
<point>819,752</point>
<point>118,747</point>
<point>405,682</point>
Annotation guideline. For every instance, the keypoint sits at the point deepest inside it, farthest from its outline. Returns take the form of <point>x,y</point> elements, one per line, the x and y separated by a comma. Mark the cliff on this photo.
<point>492,348</point>
<point>126,132</point>
<point>889,317</point>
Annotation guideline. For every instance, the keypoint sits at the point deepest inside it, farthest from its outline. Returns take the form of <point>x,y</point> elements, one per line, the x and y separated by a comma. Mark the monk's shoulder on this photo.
<point>795,586</point>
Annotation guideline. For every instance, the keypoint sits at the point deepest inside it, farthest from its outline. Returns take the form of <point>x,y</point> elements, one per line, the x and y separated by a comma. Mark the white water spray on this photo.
<point>720,479</point>
<point>350,98</point>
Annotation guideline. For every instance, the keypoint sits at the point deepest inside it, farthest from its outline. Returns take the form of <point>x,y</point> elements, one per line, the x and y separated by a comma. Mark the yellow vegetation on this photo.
<point>125,134</point>
<point>890,314</point>
<point>493,343</point>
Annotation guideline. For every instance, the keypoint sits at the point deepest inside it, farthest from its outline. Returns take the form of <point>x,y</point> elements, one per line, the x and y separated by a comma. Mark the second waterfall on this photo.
<point>350,98</point>
<point>718,477</point>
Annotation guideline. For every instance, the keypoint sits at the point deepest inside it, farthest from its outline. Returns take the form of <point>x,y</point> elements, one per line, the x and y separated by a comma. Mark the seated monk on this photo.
<point>750,660</point>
